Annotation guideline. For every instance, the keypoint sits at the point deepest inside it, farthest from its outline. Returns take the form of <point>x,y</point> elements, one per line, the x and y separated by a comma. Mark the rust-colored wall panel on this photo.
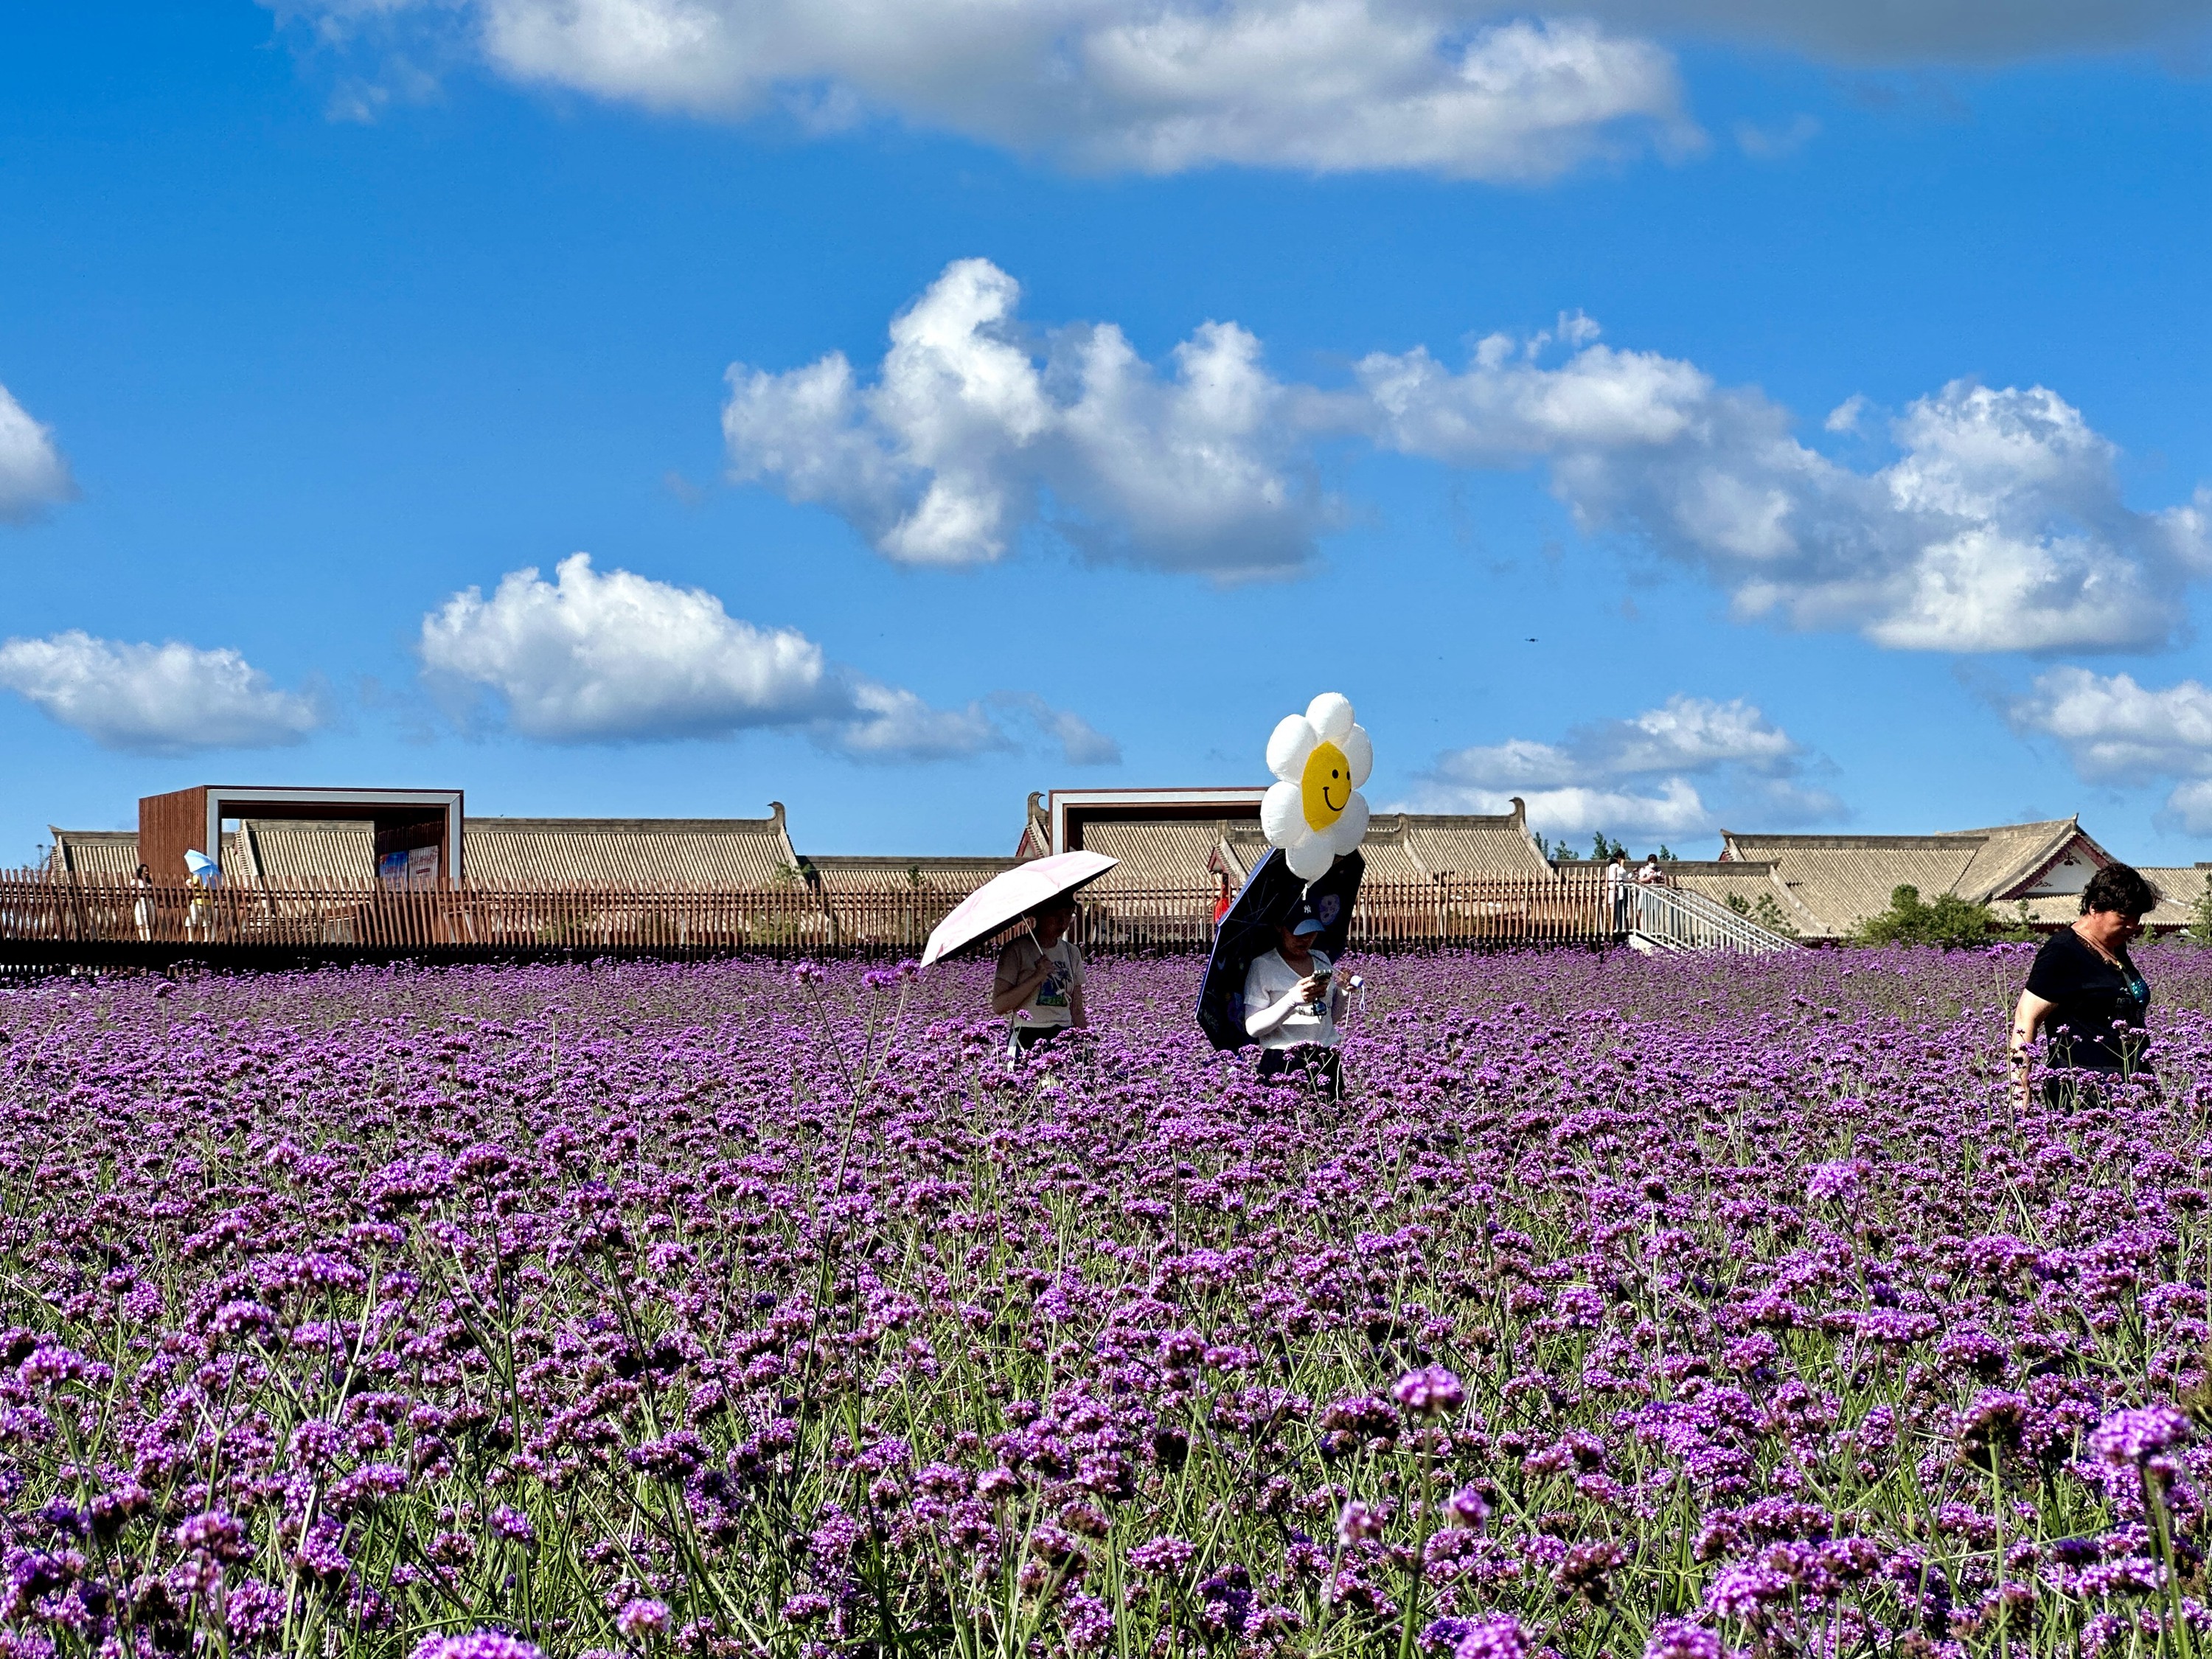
<point>169,823</point>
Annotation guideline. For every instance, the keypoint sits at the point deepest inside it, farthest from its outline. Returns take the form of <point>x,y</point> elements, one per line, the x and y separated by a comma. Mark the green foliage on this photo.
<point>2023,930</point>
<point>1767,913</point>
<point>1602,849</point>
<point>1950,922</point>
<point>1664,855</point>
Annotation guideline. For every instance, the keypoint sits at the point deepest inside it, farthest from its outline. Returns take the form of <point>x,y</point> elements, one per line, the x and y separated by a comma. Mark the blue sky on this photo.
<point>1678,415</point>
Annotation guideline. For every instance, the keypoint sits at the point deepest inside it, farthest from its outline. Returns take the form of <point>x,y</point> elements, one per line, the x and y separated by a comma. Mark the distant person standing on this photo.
<point>141,910</point>
<point>1039,984</point>
<point>1649,874</point>
<point>2085,997</point>
<point>1291,1000</point>
<point>199,914</point>
<point>1616,892</point>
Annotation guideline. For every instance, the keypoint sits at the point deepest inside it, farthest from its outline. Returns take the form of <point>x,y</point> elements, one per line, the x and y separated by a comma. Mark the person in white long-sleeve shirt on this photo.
<point>1291,1001</point>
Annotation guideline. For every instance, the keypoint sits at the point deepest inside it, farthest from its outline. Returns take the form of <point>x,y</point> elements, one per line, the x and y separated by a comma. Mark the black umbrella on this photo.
<point>1248,932</point>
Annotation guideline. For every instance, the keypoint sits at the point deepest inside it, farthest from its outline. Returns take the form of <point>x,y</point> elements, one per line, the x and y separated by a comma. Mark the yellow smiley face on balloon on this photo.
<point>1324,785</point>
<point>1314,811</point>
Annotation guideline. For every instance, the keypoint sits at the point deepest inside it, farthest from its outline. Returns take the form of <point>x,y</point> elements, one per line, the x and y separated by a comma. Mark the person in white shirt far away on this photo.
<point>1650,874</point>
<point>1616,892</point>
<point>1291,1000</point>
<point>1039,985</point>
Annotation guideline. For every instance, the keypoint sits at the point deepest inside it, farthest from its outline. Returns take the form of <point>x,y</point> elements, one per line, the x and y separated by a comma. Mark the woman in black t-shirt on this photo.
<point>2085,995</point>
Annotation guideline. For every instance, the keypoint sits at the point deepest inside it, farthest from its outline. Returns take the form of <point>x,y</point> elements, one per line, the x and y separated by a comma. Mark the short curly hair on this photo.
<point>2119,887</point>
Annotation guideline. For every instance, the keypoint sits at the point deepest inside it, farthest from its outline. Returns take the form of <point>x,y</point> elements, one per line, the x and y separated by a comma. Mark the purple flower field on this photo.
<point>1668,1308</point>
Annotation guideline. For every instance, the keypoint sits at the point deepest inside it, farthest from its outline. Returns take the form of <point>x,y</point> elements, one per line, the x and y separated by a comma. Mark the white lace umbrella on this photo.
<point>1019,890</point>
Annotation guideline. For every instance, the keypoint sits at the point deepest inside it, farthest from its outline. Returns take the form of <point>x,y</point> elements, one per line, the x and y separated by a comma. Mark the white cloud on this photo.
<point>592,658</point>
<point>2116,731</point>
<point>969,435</point>
<point>617,658</point>
<point>1999,526</point>
<point>1673,808</point>
<point>1080,743</point>
<point>156,699</point>
<point>32,475</point>
<point>1635,776</point>
<point>2190,805</point>
<point>1148,86</point>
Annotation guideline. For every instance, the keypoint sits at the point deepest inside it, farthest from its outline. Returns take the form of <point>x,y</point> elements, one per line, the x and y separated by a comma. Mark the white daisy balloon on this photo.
<point>1315,812</point>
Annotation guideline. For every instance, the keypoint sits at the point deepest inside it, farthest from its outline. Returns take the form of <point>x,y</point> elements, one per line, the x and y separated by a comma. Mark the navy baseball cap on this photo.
<point>1304,920</point>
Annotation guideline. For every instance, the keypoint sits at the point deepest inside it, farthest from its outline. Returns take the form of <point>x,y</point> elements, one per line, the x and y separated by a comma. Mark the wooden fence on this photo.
<point>55,916</point>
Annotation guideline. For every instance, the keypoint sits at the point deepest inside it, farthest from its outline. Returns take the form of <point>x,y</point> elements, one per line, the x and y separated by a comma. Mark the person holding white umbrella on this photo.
<point>203,875</point>
<point>1039,984</point>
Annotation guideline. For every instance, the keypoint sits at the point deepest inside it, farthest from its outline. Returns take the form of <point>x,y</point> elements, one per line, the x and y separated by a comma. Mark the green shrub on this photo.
<point>1950,922</point>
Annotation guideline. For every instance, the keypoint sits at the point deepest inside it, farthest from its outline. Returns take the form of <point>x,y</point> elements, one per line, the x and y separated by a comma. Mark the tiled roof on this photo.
<point>1464,844</point>
<point>851,873</point>
<point>296,853</point>
<point>693,854</point>
<point>96,853</point>
<point>1158,853</point>
<point>1840,880</point>
<point>1399,847</point>
<point>2010,854</point>
<point>112,854</point>
<point>1037,829</point>
<point>2178,888</point>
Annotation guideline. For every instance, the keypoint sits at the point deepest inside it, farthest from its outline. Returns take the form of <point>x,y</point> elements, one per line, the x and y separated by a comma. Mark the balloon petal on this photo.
<point>1293,739</point>
<point>1330,715</point>
<point>1359,749</point>
<point>1348,831</point>
<point>1279,816</point>
<point>1309,858</point>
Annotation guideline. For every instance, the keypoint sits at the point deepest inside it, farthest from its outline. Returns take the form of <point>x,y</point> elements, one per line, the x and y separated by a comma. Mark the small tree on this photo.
<point>1767,913</point>
<point>1950,922</point>
<point>1602,849</point>
<point>2200,914</point>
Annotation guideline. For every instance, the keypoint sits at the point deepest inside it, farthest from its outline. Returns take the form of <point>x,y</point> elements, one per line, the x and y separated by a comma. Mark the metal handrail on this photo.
<point>1691,921</point>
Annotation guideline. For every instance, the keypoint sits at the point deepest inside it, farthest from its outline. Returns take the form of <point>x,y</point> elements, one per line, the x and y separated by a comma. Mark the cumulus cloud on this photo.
<point>1147,86</point>
<point>1999,525</point>
<point>2116,731</point>
<point>614,657</point>
<point>167,699</point>
<point>970,432</point>
<point>1638,775</point>
<point>32,475</point>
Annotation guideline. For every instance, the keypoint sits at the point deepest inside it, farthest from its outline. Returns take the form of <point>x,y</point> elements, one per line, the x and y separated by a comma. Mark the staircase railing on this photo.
<point>1677,921</point>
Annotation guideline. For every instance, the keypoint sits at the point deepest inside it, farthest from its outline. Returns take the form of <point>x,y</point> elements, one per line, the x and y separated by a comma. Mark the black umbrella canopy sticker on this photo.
<point>1315,818</point>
